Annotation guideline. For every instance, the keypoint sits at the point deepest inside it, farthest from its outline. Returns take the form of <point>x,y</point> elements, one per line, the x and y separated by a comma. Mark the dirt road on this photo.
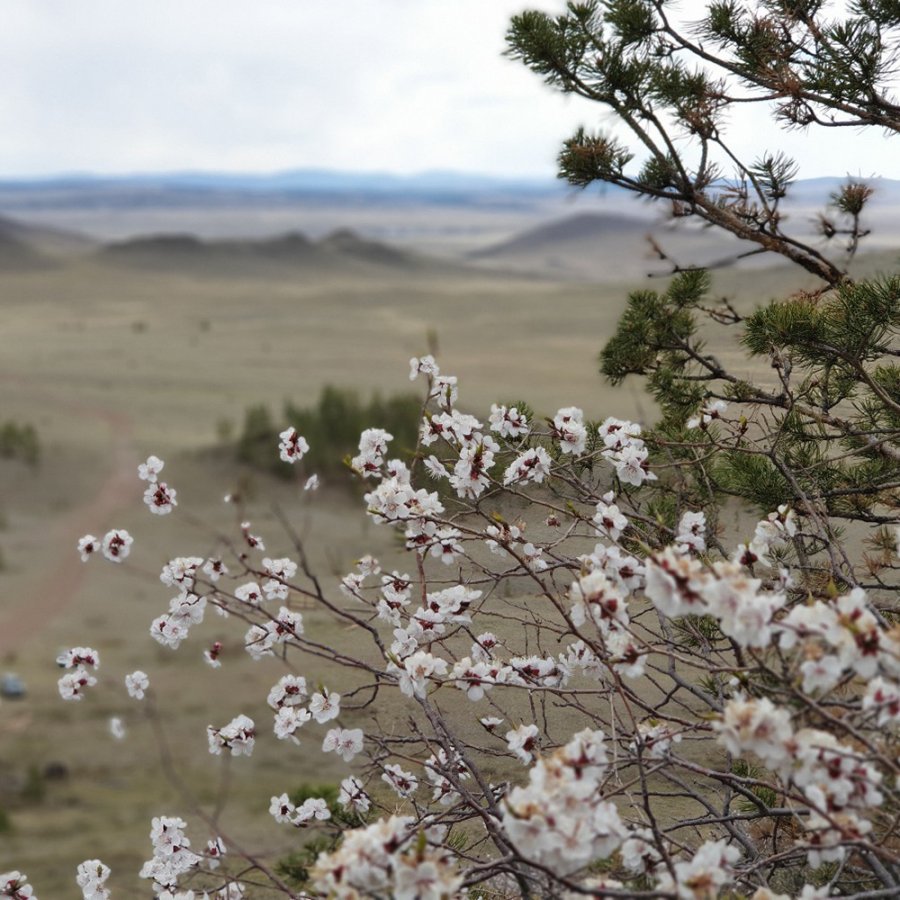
<point>51,593</point>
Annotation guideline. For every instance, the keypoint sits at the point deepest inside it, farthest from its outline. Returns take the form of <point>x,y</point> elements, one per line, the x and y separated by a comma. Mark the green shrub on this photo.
<point>331,427</point>
<point>35,788</point>
<point>20,441</point>
<point>258,438</point>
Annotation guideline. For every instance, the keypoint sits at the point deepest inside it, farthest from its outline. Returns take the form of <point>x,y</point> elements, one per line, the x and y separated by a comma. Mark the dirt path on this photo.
<point>50,594</point>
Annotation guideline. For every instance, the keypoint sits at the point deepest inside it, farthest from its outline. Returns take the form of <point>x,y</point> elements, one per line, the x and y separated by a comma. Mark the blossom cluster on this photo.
<point>566,646</point>
<point>398,857</point>
<point>838,785</point>
<point>77,679</point>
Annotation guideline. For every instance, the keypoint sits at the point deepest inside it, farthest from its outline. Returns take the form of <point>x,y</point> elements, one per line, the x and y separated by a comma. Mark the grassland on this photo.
<point>111,363</point>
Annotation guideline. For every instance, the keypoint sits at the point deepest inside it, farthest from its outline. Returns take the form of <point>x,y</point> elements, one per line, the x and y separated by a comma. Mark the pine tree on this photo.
<point>822,433</point>
<point>676,86</point>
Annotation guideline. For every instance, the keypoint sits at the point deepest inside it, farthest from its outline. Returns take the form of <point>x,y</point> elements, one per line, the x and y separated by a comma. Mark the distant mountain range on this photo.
<point>326,182</point>
<point>316,201</point>
<point>32,248</point>
<point>322,221</point>
<point>341,252</point>
<point>435,185</point>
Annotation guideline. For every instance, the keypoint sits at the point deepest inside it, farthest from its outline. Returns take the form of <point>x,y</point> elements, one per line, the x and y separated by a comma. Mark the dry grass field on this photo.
<point>111,362</point>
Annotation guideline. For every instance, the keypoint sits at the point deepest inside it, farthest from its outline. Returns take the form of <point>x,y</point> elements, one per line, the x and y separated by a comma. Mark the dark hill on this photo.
<point>563,232</point>
<point>27,247</point>
<point>291,247</point>
<point>290,254</point>
<point>183,245</point>
<point>348,243</point>
<point>608,247</point>
<point>18,256</point>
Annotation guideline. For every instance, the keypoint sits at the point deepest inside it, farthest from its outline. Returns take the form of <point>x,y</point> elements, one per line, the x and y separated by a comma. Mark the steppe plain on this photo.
<point>118,345</point>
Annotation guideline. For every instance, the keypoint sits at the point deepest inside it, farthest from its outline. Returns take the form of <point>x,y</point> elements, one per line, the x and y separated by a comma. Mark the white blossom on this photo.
<point>136,684</point>
<point>532,465</point>
<point>404,783</point>
<point>691,533</point>
<point>292,447</point>
<point>117,545</point>
<point>710,411</point>
<point>91,877</point>
<point>346,742</point>
<point>237,737</point>
<point>423,366</point>
<point>522,741</point>
<point>508,422</point>
<point>160,498</point>
<point>15,885</point>
<point>87,545</point>
<point>149,470</point>
<point>352,794</point>
<point>609,519</point>
<point>569,430</point>
<point>325,706</point>
<point>73,684</point>
<point>418,667</point>
<point>117,728</point>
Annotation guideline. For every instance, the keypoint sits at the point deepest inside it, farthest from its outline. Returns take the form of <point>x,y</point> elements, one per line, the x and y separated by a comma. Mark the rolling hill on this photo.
<point>25,247</point>
<point>610,248</point>
<point>342,252</point>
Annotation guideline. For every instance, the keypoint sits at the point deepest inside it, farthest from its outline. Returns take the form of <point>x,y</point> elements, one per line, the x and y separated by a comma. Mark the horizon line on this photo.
<point>323,172</point>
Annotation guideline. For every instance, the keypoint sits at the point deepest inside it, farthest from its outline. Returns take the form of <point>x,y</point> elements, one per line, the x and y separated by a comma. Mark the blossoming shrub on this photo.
<point>574,687</point>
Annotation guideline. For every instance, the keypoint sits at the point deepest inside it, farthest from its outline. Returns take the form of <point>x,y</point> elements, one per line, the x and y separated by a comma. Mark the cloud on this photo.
<point>395,85</point>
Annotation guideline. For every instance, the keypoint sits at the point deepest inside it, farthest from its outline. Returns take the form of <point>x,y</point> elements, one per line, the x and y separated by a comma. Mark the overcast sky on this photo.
<point>116,86</point>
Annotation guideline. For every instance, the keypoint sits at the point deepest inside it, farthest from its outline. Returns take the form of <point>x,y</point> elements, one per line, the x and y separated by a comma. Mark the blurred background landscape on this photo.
<point>193,317</point>
<point>192,314</point>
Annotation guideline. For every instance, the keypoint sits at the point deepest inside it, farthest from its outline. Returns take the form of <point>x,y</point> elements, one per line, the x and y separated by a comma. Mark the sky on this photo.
<point>402,86</point>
